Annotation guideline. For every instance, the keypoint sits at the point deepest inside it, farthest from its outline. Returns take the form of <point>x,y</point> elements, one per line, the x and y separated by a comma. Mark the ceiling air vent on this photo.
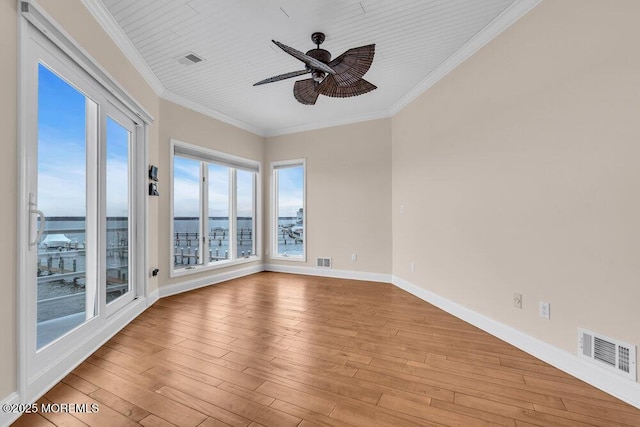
<point>611,354</point>
<point>189,59</point>
<point>323,262</point>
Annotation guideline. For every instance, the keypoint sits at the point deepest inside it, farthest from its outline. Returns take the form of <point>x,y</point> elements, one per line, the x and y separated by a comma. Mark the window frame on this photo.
<point>209,156</point>
<point>275,167</point>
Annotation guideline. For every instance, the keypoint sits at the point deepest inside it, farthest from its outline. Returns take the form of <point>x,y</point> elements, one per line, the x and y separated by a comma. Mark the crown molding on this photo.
<point>111,27</point>
<point>181,100</point>
<point>503,21</point>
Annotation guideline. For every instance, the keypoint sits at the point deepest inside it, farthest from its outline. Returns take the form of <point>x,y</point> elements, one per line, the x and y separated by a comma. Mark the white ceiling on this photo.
<point>417,43</point>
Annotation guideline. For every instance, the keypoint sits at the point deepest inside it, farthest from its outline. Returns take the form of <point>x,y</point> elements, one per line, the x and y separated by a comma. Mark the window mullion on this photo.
<point>204,215</point>
<point>94,257</point>
<point>233,220</point>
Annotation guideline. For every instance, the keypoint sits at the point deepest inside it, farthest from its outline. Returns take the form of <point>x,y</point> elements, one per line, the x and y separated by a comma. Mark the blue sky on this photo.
<point>290,191</point>
<point>62,165</point>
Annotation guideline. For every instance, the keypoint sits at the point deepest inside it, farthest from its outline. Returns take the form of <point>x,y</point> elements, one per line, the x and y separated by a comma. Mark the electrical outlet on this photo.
<point>354,257</point>
<point>517,300</point>
<point>545,310</point>
<point>412,266</point>
<point>401,209</point>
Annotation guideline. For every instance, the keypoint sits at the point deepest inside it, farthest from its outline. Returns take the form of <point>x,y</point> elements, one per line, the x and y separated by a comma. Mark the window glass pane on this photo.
<point>186,212</point>
<point>245,217</point>
<point>117,250</point>
<point>62,177</point>
<point>290,210</point>
<point>219,224</point>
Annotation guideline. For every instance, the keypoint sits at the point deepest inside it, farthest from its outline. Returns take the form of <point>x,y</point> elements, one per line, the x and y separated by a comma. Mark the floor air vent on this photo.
<point>323,262</point>
<point>608,353</point>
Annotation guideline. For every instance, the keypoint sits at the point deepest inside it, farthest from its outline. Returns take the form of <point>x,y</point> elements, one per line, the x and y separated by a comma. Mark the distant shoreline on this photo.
<point>178,218</point>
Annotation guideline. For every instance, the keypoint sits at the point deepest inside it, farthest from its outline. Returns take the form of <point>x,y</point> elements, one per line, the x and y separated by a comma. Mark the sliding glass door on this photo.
<point>81,258</point>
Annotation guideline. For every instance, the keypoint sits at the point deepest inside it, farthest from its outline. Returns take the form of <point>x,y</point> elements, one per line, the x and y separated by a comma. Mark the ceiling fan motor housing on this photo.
<point>320,54</point>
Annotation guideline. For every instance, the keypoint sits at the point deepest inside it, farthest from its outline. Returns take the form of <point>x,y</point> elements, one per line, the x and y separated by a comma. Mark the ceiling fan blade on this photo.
<point>330,87</point>
<point>311,62</point>
<point>282,77</point>
<point>305,91</point>
<point>353,64</point>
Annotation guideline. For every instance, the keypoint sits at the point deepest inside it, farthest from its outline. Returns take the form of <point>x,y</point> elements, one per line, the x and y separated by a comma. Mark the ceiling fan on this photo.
<point>339,78</point>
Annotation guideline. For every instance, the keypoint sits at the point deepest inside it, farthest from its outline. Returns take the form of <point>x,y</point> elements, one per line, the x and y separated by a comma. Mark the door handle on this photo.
<point>32,211</point>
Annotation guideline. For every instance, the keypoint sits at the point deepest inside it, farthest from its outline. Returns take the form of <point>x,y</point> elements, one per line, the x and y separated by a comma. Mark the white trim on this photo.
<point>113,30</point>
<point>186,271</point>
<point>273,229</point>
<point>190,285</point>
<point>6,418</point>
<point>153,297</point>
<point>210,112</point>
<point>324,272</point>
<point>503,21</point>
<point>615,385</point>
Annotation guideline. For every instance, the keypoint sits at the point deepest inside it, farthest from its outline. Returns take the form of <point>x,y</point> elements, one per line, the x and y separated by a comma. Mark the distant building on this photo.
<point>299,217</point>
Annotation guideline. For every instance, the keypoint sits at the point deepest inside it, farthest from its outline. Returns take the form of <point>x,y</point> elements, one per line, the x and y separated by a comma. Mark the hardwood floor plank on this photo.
<point>105,416</point>
<point>309,418</point>
<point>204,407</point>
<point>298,398</point>
<point>166,409</point>
<point>363,418</point>
<point>220,372</point>
<point>212,422</point>
<point>256,396</point>
<point>153,421</point>
<point>79,384</point>
<point>230,402</point>
<point>494,419</point>
<point>595,411</point>
<point>127,409</point>
<point>513,411</point>
<point>430,413</point>
<point>32,420</point>
<point>60,419</point>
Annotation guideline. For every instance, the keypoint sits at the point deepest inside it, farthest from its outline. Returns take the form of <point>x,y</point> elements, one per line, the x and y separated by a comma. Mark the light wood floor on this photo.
<point>285,350</point>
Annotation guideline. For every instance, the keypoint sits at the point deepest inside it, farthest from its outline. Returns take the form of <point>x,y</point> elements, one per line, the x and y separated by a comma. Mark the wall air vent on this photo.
<point>608,353</point>
<point>189,59</point>
<point>323,262</point>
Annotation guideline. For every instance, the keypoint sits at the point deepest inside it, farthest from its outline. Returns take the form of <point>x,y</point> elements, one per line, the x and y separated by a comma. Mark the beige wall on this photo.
<point>519,172</point>
<point>348,193</point>
<point>8,189</point>
<point>189,126</point>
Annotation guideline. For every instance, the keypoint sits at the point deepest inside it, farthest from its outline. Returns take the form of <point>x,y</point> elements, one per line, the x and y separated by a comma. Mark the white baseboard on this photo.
<point>329,272</point>
<point>212,279</point>
<point>617,386</point>
<point>6,418</point>
<point>153,297</point>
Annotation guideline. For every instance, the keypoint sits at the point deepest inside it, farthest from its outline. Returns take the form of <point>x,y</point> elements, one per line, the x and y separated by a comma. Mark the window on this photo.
<point>289,227</point>
<point>214,208</point>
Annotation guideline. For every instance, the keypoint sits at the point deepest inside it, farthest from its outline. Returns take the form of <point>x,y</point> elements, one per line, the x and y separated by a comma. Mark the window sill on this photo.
<point>215,266</point>
<point>289,258</point>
